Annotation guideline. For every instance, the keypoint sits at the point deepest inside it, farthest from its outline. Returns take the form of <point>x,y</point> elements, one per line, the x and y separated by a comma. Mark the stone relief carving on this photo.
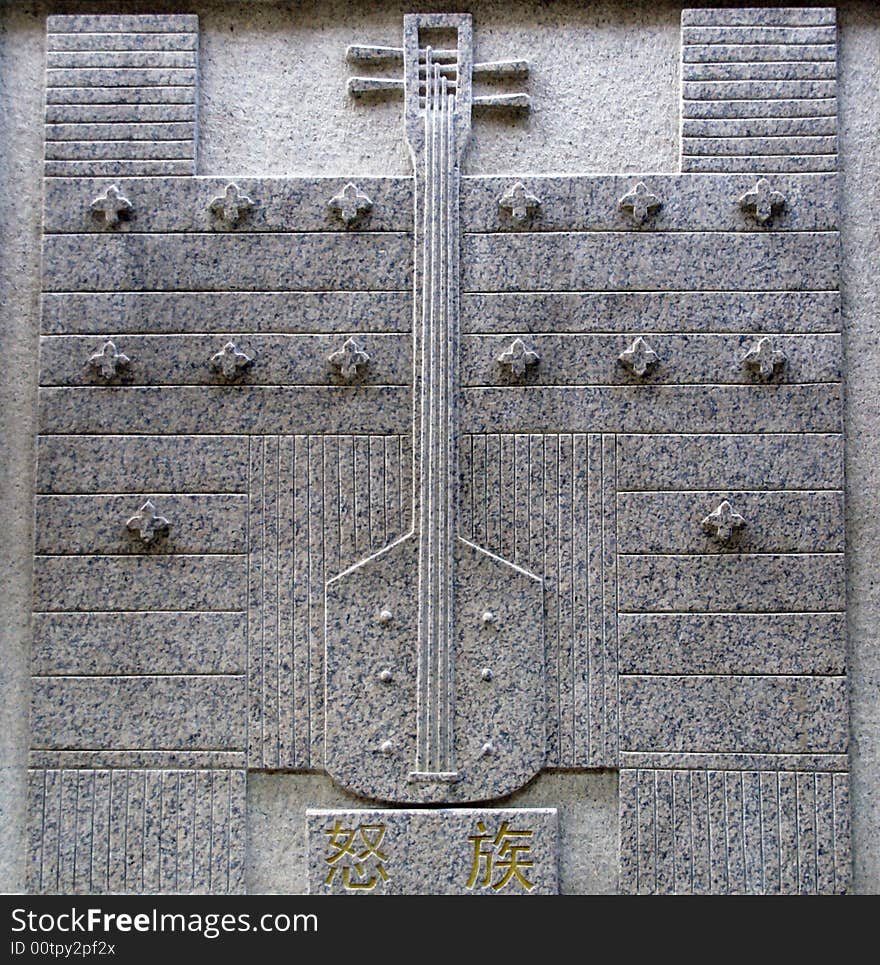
<point>451,584</point>
<point>112,206</point>
<point>764,358</point>
<point>640,203</point>
<point>723,522</point>
<point>639,358</point>
<point>762,201</point>
<point>348,360</point>
<point>350,204</point>
<point>147,524</point>
<point>231,362</point>
<point>108,361</point>
<point>231,206</point>
<point>519,204</point>
<point>517,358</point>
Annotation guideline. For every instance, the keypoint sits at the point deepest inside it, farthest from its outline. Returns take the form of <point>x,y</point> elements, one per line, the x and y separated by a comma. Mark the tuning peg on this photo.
<point>516,102</point>
<point>501,68</point>
<point>367,54</point>
<point>373,85</point>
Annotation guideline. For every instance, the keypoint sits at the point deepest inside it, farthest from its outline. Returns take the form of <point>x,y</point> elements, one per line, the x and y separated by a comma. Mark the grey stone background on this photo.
<point>605,81</point>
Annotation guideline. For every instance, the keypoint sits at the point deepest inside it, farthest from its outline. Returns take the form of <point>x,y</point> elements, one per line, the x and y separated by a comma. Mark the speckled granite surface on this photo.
<point>589,477</point>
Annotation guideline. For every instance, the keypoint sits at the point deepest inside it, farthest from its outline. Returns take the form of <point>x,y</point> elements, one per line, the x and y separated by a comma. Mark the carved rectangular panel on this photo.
<point>184,204</point>
<point>763,832</point>
<point>584,261</point>
<point>121,95</point>
<point>690,203</point>
<point>317,503</point>
<point>215,261</point>
<point>654,408</point>
<point>646,312</point>
<point>568,448</point>
<point>136,831</point>
<point>178,313</point>
<point>732,713</point>
<point>548,502</point>
<point>759,97</point>
<point>466,851</point>
<point>246,410</point>
<point>693,359</point>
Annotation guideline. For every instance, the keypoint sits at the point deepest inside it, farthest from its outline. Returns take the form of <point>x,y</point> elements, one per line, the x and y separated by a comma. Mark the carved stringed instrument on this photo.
<point>434,646</point>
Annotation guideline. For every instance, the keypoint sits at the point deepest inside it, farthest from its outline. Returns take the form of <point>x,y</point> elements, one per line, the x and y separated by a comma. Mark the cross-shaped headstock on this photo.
<point>456,64</point>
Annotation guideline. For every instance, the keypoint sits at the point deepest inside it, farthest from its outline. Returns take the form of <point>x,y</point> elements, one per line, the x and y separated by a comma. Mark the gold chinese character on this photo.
<point>353,849</point>
<point>498,861</point>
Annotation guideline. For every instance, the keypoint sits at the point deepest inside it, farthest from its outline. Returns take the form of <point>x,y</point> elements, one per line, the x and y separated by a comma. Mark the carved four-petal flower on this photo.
<point>762,201</point>
<point>764,358</point>
<point>348,358</point>
<point>147,523</point>
<point>640,202</point>
<point>518,357</point>
<point>108,361</point>
<point>639,357</point>
<point>230,361</point>
<point>350,203</point>
<point>232,205</point>
<point>518,202</point>
<point>722,522</point>
<point>112,206</point>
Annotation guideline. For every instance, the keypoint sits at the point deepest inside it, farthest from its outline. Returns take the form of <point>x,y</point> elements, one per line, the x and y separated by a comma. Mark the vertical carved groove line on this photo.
<point>550,500</point>
<point>304,524</point>
<point>694,841</point>
<point>137,831</point>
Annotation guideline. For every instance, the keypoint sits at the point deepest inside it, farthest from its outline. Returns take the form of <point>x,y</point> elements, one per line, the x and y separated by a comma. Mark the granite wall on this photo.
<point>605,90</point>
